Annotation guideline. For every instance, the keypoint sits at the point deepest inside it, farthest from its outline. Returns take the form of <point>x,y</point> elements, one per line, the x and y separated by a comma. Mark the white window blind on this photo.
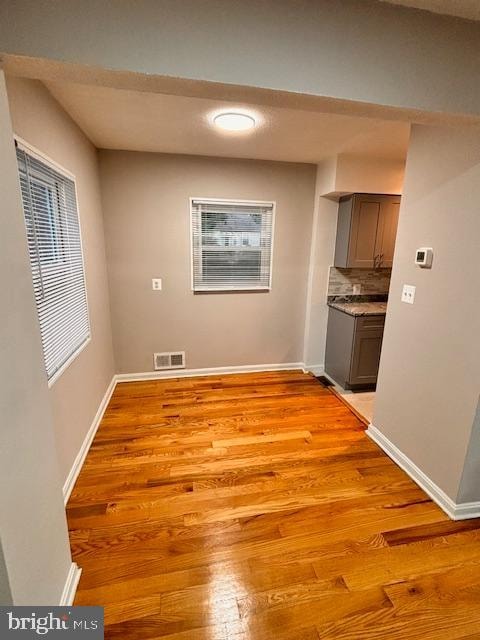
<point>55,250</point>
<point>231,245</point>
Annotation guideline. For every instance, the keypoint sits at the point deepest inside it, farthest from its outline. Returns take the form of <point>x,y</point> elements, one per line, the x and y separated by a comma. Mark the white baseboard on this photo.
<point>454,510</point>
<point>71,584</point>
<point>79,460</point>
<point>467,510</point>
<point>212,371</point>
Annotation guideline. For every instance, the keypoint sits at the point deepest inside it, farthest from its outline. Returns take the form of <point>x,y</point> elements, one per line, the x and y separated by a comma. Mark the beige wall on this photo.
<point>429,379</point>
<point>5,592</point>
<point>366,175</point>
<point>147,224</point>
<point>322,249</point>
<point>33,529</point>
<point>344,173</point>
<point>76,395</point>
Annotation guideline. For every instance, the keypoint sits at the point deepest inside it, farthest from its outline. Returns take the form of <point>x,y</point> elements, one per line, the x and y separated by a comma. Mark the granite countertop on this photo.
<point>360,308</point>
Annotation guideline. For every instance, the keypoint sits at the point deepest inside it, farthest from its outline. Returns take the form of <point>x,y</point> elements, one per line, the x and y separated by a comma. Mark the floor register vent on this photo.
<point>172,360</point>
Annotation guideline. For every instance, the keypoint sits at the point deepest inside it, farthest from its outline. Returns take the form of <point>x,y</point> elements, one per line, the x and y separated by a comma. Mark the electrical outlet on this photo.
<point>157,284</point>
<point>357,289</point>
<point>408,293</point>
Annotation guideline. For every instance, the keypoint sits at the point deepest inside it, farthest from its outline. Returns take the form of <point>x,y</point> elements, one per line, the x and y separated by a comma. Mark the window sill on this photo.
<point>230,290</point>
<point>68,362</point>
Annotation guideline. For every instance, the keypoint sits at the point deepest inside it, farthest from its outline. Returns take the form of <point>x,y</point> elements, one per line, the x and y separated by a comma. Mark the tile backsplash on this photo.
<point>372,281</point>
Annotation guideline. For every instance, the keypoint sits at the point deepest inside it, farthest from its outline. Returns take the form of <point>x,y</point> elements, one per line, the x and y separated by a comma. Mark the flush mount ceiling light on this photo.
<point>233,121</point>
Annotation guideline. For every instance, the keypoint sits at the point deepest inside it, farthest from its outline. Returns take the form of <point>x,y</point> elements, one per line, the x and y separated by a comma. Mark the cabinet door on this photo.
<point>366,356</point>
<point>338,355</point>
<point>387,231</point>
<point>363,232</point>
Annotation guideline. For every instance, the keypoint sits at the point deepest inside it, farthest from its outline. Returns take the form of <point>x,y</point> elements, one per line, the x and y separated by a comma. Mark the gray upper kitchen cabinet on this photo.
<point>366,230</point>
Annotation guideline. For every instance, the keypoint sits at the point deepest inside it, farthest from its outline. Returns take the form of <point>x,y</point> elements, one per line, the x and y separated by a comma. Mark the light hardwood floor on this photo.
<point>253,507</point>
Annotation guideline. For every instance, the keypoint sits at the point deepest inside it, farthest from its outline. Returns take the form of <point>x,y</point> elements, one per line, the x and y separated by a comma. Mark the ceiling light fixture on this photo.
<point>233,121</point>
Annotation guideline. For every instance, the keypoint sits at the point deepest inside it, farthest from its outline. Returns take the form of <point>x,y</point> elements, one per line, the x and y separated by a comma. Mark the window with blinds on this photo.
<point>55,250</point>
<point>231,245</point>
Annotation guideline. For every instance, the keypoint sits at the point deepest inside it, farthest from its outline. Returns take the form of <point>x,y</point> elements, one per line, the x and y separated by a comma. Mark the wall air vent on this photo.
<point>172,360</point>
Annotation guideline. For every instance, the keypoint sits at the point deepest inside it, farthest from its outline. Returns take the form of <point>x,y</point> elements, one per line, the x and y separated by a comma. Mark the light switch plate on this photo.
<point>408,293</point>
<point>157,284</point>
<point>357,289</point>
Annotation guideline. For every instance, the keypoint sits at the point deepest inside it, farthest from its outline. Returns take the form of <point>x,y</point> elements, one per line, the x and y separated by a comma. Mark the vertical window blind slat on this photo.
<point>231,245</point>
<point>56,259</point>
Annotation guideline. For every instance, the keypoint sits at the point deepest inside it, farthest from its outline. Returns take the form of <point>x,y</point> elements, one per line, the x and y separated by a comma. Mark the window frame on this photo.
<point>231,202</point>
<point>42,157</point>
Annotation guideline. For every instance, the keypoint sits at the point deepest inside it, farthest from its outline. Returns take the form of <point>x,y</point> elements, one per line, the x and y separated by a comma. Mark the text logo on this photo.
<point>57,622</point>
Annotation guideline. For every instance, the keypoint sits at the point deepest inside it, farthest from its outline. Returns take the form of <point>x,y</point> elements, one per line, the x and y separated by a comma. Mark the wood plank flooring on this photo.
<point>253,507</point>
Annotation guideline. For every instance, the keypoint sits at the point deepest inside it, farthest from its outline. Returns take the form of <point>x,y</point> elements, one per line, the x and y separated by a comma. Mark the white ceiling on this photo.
<point>140,121</point>
<point>469,9</point>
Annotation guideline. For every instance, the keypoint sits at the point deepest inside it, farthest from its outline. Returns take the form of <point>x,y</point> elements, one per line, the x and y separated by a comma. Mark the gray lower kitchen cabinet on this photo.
<point>366,230</point>
<point>354,344</point>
